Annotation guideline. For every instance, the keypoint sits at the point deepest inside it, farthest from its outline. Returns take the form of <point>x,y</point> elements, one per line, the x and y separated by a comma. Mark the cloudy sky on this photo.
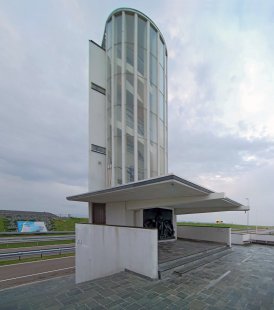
<point>221,99</point>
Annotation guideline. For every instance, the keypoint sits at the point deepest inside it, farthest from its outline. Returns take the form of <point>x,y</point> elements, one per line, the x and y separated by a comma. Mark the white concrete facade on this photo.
<point>213,234</point>
<point>126,205</point>
<point>104,250</point>
<point>240,238</point>
<point>128,116</point>
<point>129,184</point>
<point>128,129</point>
<point>118,214</point>
<point>97,118</point>
<point>245,237</point>
<point>128,113</point>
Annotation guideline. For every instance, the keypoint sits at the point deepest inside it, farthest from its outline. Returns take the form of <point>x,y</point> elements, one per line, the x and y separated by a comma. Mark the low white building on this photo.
<point>129,184</point>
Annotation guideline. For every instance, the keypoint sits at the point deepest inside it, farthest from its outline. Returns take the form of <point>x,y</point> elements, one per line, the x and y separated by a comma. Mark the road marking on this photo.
<point>39,261</point>
<point>247,258</point>
<point>214,282</point>
<point>36,274</point>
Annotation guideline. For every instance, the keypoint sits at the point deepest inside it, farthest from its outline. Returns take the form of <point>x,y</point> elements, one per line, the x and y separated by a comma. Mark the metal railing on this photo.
<point>21,254</point>
<point>51,232</point>
<point>25,239</point>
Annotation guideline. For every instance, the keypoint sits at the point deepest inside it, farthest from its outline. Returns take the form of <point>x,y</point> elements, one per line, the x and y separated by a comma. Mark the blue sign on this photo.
<point>27,226</point>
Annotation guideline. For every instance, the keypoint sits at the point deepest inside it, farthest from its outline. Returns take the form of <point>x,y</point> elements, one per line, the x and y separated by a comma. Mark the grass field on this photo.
<point>32,244</point>
<point>68,224</point>
<point>62,224</point>
<point>33,259</point>
<point>2,224</point>
<point>233,226</point>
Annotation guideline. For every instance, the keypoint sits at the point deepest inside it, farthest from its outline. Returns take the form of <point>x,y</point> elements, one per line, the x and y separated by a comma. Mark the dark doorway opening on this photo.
<point>99,213</point>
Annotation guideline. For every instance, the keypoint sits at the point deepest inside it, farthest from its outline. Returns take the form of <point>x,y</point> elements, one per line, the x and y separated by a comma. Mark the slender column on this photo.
<point>148,101</point>
<point>113,146</point>
<point>135,100</point>
<point>166,115</point>
<point>123,106</point>
<point>90,212</point>
<point>158,103</point>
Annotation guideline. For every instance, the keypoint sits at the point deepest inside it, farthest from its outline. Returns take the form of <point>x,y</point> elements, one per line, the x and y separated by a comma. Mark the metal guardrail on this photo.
<point>24,239</point>
<point>52,232</point>
<point>21,254</point>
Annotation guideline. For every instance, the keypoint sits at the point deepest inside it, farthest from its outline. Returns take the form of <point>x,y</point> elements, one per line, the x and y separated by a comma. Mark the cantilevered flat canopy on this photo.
<point>166,191</point>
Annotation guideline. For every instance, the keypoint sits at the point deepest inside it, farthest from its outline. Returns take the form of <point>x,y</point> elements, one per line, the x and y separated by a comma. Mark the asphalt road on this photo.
<point>24,273</point>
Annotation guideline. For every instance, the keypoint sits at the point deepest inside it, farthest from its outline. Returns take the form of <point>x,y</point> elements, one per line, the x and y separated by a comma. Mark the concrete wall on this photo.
<point>118,214</point>
<point>105,250</point>
<point>243,238</point>
<point>174,224</point>
<point>263,238</point>
<point>97,117</point>
<point>215,234</point>
<point>138,218</point>
<point>240,238</point>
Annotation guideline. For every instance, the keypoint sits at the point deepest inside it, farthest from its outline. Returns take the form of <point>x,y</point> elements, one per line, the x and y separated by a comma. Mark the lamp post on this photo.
<point>256,221</point>
<point>247,216</point>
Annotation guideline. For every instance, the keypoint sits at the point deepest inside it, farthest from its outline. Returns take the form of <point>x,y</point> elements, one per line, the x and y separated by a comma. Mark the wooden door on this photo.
<point>99,213</point>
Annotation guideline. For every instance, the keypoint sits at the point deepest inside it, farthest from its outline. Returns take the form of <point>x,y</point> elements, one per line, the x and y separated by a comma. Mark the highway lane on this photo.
<point>24,273</point>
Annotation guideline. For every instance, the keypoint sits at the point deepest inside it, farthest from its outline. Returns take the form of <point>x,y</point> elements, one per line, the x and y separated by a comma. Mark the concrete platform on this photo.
<point>182,256</point>
<point>171,250</point>
<point>242,280</point>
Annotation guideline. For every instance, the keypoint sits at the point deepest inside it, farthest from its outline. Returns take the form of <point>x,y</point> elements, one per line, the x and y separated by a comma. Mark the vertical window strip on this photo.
<point>135,159</point>
<point>123,100</point>
<point>148,99</point>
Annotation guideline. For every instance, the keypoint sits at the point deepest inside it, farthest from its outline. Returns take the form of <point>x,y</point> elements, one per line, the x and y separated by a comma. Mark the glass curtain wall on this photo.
<point>141,97</point>
<point>136,99</point>
<point>129,96</point>
<point>109,49</point>
<point>117,102</point>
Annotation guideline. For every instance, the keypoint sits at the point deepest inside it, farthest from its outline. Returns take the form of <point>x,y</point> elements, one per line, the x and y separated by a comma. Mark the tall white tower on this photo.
<point>128,102</point>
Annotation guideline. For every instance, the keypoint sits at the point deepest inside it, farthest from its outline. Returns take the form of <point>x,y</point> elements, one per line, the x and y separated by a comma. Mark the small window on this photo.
<point>98,149</point>
<point>98,88</point>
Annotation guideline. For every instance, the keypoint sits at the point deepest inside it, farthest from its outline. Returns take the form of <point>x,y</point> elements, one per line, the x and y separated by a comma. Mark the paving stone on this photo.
<point>133,306</point>
<point>197,305</point>
<point>249,285</point>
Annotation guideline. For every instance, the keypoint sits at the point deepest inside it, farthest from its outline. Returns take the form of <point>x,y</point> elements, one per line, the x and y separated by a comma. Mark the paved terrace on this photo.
<point>241,280</point>
<point>170,250</point>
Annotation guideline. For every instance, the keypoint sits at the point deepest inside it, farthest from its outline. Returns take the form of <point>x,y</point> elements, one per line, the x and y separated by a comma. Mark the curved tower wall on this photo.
<point>136,98</point>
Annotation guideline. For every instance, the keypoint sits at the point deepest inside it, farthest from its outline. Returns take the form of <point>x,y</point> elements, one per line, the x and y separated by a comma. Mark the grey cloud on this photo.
<point>44,97</point>
<point>204,151</point>
<point>18,194</point>
<point>44,107</point>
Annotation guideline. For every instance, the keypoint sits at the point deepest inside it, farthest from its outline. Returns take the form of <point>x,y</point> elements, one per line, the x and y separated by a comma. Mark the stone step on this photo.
<point>187,263</point>
<point>184,259</point>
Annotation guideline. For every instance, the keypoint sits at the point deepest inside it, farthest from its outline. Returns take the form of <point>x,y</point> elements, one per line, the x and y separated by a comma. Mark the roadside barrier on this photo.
<point>21,254</point>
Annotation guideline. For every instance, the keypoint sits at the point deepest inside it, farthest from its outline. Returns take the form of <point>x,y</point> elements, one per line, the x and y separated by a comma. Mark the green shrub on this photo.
<point>67,224</point>
<point>4,224</point>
